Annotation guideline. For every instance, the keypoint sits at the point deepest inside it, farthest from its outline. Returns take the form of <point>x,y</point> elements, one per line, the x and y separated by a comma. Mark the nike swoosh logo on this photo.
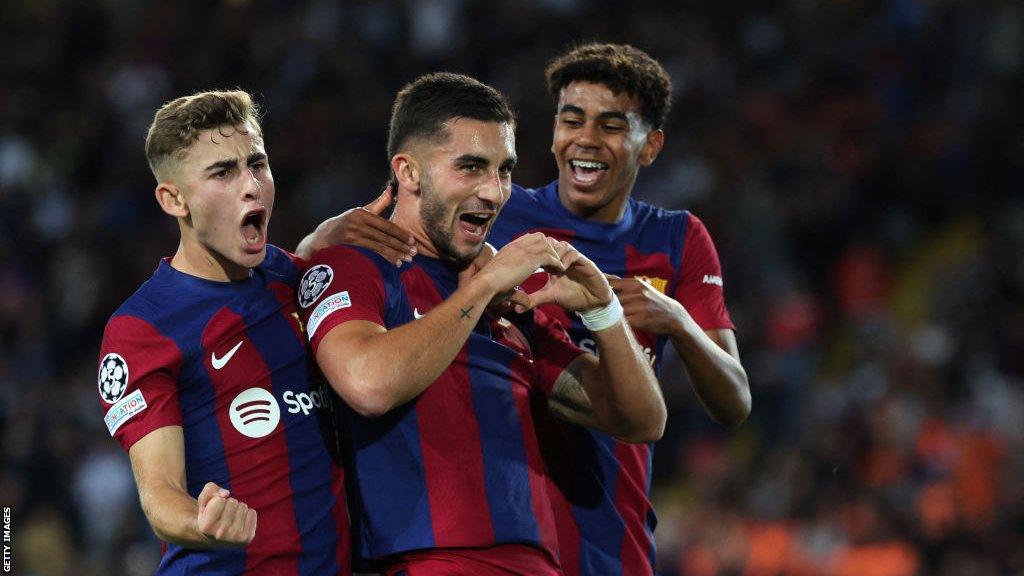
<point>416,314</point>
<point>219,363</point>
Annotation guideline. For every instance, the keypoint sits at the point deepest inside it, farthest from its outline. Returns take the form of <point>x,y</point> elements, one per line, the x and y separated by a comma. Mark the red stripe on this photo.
<point>632,504</point>
<point>452,454</point>
<point>535,463</point>
<point>259,467</point>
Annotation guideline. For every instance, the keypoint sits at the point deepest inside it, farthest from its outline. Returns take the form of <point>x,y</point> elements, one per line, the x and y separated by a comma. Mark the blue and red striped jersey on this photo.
<point>227,361</point>
<point>601,486</point>
<point>459,466</point>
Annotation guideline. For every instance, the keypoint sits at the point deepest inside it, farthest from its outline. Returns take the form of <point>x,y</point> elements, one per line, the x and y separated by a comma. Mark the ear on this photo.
<point>171,200</point>
<point>407,172</point>
<point>554,130</point>
<point>655,141</point>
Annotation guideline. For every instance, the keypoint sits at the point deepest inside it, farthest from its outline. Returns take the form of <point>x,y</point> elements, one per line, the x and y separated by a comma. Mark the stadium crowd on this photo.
<point>853,160</point>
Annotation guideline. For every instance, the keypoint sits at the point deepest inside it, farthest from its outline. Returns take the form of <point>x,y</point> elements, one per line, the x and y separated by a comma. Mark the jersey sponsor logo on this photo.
<point>589,345</point>
<point>120,413</point>
<point>712,279</point>
<point>113,377</point>
<point>219,363</point>
<point>303,402</point>
<point>255,412</point>
<point>313,284</point>
<point>659,284</point>
<point>329,306</point>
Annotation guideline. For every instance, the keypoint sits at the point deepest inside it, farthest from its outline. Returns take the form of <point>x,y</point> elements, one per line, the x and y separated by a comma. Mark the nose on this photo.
<point>586,136</point>
<point>251,186</point>
<point>491,190</point>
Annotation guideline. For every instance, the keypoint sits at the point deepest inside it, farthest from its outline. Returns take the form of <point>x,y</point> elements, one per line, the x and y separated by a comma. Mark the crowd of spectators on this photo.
<point>854,161</point>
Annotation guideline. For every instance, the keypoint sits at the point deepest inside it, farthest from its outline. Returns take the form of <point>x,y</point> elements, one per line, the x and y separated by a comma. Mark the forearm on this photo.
<point>377,372</point>
<point>717,377</point>
<point>172,514</point>
<point>626,397</point>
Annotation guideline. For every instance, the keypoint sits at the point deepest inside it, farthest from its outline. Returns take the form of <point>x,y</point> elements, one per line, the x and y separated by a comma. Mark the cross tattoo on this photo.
<point>466,311</point>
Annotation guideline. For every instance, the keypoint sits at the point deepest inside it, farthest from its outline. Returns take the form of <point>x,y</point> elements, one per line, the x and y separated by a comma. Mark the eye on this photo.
<point>471,167</point>
<point>221,174</point>
<point>258,166</point>
<point>614,128</point>
<point>572,122</point>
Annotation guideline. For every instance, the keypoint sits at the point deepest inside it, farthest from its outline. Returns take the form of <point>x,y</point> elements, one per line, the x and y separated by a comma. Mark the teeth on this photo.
<point>588,164</point>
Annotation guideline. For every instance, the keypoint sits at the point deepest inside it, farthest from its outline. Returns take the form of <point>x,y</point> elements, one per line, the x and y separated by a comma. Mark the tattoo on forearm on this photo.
<point>569,400</point>
<point>466,311</point>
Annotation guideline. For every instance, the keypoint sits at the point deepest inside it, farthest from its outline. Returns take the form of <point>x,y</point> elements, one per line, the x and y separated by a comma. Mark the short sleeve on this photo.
<point>340,284</point>
<point>700,288</point>
<point>552,350</point>
<point>137,379</point>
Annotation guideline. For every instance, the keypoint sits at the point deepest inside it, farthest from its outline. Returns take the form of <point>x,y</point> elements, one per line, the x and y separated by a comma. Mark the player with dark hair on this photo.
<point>612,101</point>
<point>446,467</point>
<point>203,371</point>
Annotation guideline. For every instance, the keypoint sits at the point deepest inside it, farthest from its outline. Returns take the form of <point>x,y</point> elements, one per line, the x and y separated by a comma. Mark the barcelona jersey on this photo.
<point>459,466</point>
<point>227,362</point>
<point>600,487</point>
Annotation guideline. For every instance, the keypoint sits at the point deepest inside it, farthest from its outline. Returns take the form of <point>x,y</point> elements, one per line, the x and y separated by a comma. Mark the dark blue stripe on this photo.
<point>506,475</point>
<point>601,528</point>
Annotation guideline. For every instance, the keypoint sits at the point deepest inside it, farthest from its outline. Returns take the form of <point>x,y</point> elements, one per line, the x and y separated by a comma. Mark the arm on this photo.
<point>618,392</point>
<point>364,227</point>
<point>212,521</point>
<point>375,370</point>
<point>711,357</point>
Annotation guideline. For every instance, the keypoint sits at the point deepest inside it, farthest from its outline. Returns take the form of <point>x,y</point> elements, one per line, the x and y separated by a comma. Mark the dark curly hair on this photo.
<point>620,67</point>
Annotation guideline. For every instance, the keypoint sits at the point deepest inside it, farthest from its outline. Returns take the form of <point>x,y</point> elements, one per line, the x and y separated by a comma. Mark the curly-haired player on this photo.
<point>612,101</point>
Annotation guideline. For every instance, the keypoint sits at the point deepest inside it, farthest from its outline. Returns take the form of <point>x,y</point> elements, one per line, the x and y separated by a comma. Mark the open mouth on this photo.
<point>253,225</point>
<point>475,223</point>
<point>587,171</point>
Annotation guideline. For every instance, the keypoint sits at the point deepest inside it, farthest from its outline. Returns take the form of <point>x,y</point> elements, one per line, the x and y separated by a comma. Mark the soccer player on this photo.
<point>612,101</point>
<point>448,477</point>
<point>202,374</point>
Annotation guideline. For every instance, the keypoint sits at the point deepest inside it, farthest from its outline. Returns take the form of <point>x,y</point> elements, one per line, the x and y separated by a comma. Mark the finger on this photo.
<point>240,520</point>
<point>389,253</point>
<point>390,229</point>
<point>520,301</point>
<point>228,516</point>
<point>211,514</point>
<point>381,203</point>
<point>209,491</point>
<point>611,277</point>
<point>250,525</point>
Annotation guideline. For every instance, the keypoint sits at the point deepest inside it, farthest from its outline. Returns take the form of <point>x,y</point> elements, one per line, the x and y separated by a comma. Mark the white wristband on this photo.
<point>602,318</point>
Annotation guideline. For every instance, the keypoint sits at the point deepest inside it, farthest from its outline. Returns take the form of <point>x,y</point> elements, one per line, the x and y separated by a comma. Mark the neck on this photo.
<point>610,212</point>
<point>202,264</point>
<point>407,215</point>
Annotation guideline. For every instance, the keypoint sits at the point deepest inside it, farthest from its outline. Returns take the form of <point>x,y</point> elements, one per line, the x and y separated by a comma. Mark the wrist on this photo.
<point>602,318</point>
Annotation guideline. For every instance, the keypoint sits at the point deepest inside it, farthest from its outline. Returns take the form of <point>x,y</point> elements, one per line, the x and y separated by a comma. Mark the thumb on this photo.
<point>382,202</point>
<point>209,492</point>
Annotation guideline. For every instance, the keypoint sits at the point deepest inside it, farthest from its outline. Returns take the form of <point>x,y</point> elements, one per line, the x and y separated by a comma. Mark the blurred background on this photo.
<point>854,160</point>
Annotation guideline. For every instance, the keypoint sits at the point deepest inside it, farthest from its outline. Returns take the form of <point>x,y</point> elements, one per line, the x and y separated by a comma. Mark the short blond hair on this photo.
<point>177,124</point>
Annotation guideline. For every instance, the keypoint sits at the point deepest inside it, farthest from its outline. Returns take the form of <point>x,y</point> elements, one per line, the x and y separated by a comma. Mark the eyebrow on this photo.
<point>230,162</point>
<point>611,114</point>
<point>471,158</point>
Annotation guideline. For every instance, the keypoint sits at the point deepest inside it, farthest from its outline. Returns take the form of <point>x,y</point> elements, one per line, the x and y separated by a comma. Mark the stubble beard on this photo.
<point>432,215</point>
